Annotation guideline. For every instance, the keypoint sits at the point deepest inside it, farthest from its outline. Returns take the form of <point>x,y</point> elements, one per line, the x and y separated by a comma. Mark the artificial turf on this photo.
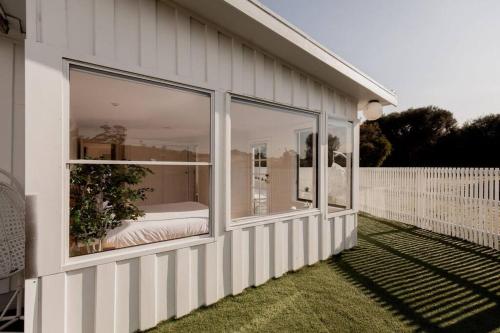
<point>398,279</point>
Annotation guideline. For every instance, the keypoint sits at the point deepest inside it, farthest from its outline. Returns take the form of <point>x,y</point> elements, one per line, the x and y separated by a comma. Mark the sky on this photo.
<point>431,52</point>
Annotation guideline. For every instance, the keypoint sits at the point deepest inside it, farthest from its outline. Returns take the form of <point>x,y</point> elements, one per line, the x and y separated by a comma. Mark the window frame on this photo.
<point>68,262</point>
<point>248,221</point>
<point>352,209</point>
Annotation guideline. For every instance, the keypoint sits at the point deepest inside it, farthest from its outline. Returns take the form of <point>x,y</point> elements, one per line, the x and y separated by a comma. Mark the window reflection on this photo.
<point>273,160</point>
<point>339,165</point>
<point>120,119</point>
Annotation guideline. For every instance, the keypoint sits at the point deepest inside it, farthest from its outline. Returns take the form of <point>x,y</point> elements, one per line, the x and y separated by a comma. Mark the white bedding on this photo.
<point>161,222</point>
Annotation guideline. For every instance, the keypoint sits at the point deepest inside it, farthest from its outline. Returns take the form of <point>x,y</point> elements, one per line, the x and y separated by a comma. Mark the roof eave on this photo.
<point>254,22</point>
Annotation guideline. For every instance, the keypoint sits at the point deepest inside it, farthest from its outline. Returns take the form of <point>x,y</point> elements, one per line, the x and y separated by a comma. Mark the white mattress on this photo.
<point>161,222</point>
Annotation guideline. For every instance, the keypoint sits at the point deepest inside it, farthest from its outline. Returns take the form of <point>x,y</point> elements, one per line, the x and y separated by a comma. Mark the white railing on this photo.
<point>460,202</point>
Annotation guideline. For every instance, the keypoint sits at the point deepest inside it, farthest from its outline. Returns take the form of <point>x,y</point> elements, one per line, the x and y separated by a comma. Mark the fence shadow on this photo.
<point>432,282</point>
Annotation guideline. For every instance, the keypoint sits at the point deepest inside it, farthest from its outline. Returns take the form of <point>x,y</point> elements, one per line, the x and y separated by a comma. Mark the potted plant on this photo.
<point>102,196</point>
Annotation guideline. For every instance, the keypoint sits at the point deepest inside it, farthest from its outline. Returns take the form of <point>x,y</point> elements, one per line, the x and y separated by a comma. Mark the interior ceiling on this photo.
<point>254,118</point>
<point>159,111</point>
<point>225,13</point>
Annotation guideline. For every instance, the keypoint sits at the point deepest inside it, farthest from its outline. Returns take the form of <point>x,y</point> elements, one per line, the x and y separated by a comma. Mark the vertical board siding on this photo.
<point>127,295</point>
<point>137,293</point>
<point>12,109</point>
<point>127,32</point>
<point>463,202</point>
<point>80,300</point>
<point>80,32</point>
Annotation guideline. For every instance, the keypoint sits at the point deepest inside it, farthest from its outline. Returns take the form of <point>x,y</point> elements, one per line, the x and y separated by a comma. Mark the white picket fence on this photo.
<point>460,202</point>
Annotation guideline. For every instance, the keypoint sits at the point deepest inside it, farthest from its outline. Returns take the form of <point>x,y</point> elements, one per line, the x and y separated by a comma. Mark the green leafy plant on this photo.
<point>102,196</point>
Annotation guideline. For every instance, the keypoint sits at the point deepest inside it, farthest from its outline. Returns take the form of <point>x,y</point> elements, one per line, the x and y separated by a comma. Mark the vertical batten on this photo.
<point>264,76</point>
<point>248,257</point>
<point>166,39</point>
<point>183,42</point>
<point>198,50</point>
<point>312,240</point>
<point>182,282</point>
<point>211,265</point>
<point>258,251</point>
<point>7,52</point>
<point>53,14</point>
<point>197,277</point>
<point>284,85</point>
<point>127,295</point>
<point>148,291</point>
<point>326,238</point>
<point>224,275</point>
<point>225,48</point>
<point>236,262</point>
<point>166,286</point>
<point>212,45</point>
<point>278,258</point>
<point>338,237</point>
<point>81,26</point>
<point>81,300</point>
<point>104,29</point>
<point>267,253</point>
<point>148,35</point>
<point>53,304</point>
<point>248,71</point>
<point>105,298</point>
<point>127,32</point>
<point>296,242</point>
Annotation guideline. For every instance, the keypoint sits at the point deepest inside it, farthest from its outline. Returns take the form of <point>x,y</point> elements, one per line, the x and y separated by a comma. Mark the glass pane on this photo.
<point>273,186</point>
<point>340,146</point>
<point>114,118</point>
<point>118,206</point>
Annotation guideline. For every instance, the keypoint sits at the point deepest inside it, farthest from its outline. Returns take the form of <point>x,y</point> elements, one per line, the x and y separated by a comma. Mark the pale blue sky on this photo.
<point>440,52</point>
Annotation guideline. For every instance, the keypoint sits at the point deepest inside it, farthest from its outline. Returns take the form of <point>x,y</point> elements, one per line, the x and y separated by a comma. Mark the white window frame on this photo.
<point>71,263</point>
<point>354,167</point>
<point>245,222</point>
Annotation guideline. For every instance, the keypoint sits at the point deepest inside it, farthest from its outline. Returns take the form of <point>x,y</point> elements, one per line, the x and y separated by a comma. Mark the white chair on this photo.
<point>12,242</point>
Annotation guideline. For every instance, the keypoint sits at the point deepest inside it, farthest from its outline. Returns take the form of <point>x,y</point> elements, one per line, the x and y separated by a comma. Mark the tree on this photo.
<point>102,196</point>
<point>476,144</point>
<point>414,134</point>
<point>374,146</point>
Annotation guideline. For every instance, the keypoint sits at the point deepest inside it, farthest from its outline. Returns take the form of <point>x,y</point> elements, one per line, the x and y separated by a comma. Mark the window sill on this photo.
<point>134,252</point>
<point>342,213</point>
<point>260,220</point>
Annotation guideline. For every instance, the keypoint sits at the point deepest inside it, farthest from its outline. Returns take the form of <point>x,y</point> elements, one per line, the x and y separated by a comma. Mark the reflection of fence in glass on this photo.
<point>460,202</point>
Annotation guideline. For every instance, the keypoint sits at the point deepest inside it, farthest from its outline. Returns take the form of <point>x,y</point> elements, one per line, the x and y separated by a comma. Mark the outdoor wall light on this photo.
<point>373,110</point>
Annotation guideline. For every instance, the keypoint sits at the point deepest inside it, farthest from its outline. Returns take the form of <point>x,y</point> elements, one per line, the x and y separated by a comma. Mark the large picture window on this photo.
<point>340,148</point>
<point>273,159</point>
<point>139,162</point>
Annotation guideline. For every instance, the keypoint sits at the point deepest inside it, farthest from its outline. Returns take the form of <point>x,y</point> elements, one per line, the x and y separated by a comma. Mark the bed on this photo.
<point>160,223</point>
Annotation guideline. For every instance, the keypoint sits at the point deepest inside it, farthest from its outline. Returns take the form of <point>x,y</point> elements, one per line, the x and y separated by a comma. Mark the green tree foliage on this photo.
<point>102,196</point>
<point>475,144</point>
<point>414,134</point>
<point>430,137</point>
<point>374,146</point>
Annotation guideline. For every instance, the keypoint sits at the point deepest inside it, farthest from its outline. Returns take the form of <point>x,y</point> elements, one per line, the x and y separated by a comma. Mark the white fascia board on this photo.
<point>285,29</point>
<point>257,24</point>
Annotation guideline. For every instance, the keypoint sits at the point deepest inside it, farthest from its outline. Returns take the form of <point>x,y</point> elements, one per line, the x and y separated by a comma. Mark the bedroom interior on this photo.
<point>165,128</point>
<point>274,154</point>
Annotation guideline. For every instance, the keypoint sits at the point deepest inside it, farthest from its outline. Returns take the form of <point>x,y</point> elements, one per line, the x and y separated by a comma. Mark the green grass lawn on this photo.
<point>399,278</point>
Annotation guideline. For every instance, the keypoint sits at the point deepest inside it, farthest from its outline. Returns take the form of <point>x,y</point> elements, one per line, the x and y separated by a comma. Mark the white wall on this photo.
<point>12,107</point>
<point>125,291</point>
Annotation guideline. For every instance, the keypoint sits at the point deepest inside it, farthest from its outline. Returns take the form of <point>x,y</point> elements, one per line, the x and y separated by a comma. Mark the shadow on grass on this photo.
<point>432,282</point>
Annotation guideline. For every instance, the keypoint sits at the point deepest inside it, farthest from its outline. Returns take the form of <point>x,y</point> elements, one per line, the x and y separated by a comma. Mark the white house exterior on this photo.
<point>244,61</point>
